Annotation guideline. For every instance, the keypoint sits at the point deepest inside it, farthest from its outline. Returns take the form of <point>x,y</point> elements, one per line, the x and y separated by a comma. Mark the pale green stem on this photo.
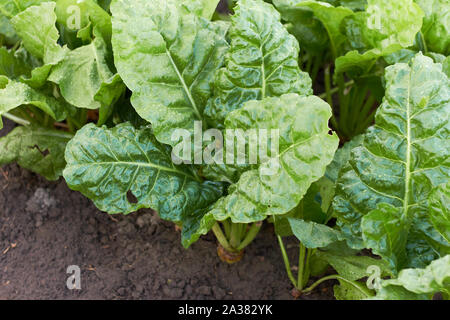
<point>221,237</point>
<point>356,285</point>
<point>301,266</point>
<point>286,261</point>
<point>16,119</point>
<point>251,234</point>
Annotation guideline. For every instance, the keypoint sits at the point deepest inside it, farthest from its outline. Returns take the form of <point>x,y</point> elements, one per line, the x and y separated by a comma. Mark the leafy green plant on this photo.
<point>47,84</point>
<point>214,82</point>
<point>357,91</point>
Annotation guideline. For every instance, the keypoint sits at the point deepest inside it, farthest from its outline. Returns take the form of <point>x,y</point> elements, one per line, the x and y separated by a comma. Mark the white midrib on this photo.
<point>185,87</point>
<point>135,164</point>
<point>263,73</point>
<point>408,152</point>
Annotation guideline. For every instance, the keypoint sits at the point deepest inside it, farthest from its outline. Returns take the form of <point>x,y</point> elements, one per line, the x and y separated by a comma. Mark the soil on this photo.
<point>45,227</point>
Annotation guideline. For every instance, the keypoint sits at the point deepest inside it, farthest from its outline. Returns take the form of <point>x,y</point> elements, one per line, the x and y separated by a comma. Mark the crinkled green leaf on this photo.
<point>196,224</point>
<point>108,94</point>
<point>9,8</point>
<point>425,243</point>
<point>305,149</point>
<point>349,291</point>
<point>312,208</point>
<point>16,94</point>
<point>168,59</point>
<point>40,150</point>
<point>385,23</point>
<point>262,62</point>
<point>40,39</point>
<point>85,79</point>
<point>403,157</point>
<point>342,157</point>
<point>384,230</point>
<point>312,234</point>
<point>384,28</point>
<point>106,165</point>
<point>316,202</point>
<point>400,56</point>
<point>432,279</point>
<point>440,210</point>
<point>202,8</point>
<point>397,293</point>
<point>331,18</point>
<point>90,13</point>
<point>436,24</point>
<point>351,266</point>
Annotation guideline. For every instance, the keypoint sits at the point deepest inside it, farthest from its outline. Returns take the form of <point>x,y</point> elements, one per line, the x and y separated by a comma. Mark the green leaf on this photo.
<point>425,243</point>
<point>384,28</point>
<point>89,13</point>
<point>202,8</point>
<point>262,62</point>
<point>348,291</point>
<point>107,165</point>
<point>351,266</point>
<point>40,150</point>
<point>312,234</point>
<point>436,25</point>
<point>342,157</point>
<point>385,23</point>
<point>446,66</point>
<point>196,224</point>
<point>16,94</point>
<point>384,230</point>
<point>403,157</point>
<point>432,279</point>
<point>331,18</point>
<point>11,66</point>
<point>7,30</point>
<point>302,23</point>
<point>315,204</point>
<point>355,5</point>
<point>440,210</point>
<point>85,79</point>
<point>104,4</point>
<point>9,8</point>
<point>167,59</point>
<point>397,293</point>
<point>312,208</point>
<point>305,149</point>
<point>40,39</point>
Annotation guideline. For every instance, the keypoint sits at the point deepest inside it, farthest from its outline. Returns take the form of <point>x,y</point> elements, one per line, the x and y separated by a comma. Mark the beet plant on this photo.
<point>326,120</point>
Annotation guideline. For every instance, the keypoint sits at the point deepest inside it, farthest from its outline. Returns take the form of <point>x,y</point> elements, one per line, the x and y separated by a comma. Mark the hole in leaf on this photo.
<point>131,197</point>
<point>43,152</point>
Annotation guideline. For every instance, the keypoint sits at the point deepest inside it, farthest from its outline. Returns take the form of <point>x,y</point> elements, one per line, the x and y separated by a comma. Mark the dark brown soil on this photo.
<point>45,227</point>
